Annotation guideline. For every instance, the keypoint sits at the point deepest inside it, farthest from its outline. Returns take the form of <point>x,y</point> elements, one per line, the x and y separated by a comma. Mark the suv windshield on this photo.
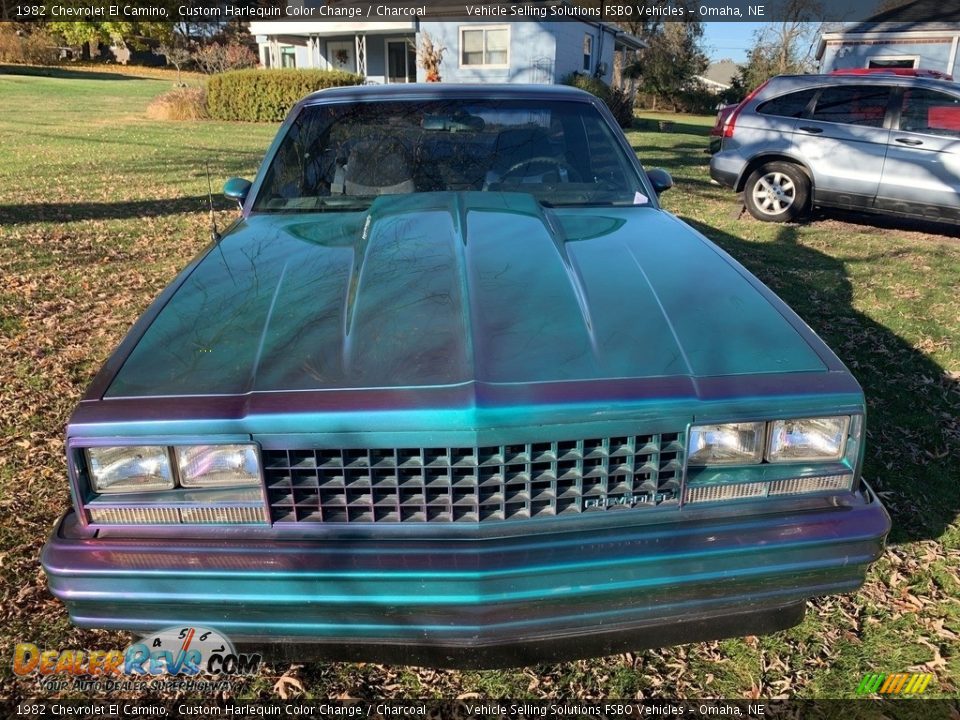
<point>340,156</point>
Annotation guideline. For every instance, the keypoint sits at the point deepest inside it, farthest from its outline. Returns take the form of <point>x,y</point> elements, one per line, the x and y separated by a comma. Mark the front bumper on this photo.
<point>477,602</point>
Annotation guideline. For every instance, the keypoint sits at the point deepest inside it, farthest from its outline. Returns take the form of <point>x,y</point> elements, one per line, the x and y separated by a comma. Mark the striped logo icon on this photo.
<point>894,684</point>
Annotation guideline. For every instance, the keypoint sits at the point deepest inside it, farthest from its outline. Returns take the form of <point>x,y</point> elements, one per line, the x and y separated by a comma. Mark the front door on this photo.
<point>921,175</point>
<point>401,62</point>
<point>342,55</point>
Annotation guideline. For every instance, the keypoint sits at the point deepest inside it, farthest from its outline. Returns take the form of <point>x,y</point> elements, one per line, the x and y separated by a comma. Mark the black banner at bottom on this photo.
<point>462,709</point>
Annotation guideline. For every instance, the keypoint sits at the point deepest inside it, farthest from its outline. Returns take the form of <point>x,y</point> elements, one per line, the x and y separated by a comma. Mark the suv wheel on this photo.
<point>777,192</point>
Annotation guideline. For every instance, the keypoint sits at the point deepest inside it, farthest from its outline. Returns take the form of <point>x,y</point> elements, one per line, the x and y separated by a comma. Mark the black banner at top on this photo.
<point>905,15</point>
<point>494,709</point>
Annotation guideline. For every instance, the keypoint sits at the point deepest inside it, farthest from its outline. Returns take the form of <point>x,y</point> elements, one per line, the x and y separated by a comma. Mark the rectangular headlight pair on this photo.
<point>145,468</point>
<point>778,441</point>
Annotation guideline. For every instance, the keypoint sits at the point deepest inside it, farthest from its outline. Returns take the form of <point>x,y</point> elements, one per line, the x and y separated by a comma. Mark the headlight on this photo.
<point>135,468</point>
<point>176,485</point>
<point>727,444</point>
<point>217,465</point>
<point>807,439</point>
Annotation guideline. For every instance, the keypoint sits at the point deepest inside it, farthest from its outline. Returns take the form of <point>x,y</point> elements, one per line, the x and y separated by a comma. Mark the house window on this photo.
<point>901,61</point>
<point>288,57</point>
<point>485,46</point>
<point>587,52</point>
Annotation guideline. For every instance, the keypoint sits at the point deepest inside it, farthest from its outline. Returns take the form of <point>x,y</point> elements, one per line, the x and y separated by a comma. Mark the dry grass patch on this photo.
<point>189,103</point>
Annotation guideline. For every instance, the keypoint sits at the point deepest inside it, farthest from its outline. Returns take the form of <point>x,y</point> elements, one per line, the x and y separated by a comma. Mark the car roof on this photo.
<point>429,91</point>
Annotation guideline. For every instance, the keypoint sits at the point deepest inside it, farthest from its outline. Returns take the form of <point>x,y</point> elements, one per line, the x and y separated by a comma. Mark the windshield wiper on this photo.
<point>592,203</point>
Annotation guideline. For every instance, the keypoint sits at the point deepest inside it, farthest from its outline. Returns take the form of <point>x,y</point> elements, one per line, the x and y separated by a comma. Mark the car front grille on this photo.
<point>478,484</point>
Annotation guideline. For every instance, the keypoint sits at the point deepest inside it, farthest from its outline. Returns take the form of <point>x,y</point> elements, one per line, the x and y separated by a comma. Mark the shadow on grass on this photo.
<point>913,405</point>
<point>861,219</point>
<point>71,212</point>
<point>66,73</point>
<point>656,157</point>
<point>885,221</point>
<point>675,127</point>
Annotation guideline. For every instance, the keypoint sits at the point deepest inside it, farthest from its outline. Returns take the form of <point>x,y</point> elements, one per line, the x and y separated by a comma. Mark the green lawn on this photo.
<point>100,207</point>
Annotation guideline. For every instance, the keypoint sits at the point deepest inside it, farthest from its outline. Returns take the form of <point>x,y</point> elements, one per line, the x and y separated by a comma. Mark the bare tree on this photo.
<point>785,47</point>
<point>176,56</point>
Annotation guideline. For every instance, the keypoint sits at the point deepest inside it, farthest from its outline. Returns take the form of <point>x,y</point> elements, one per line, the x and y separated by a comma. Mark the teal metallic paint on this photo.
<point>443,593</point>
<point>460,320</point>
<point>445,288</point>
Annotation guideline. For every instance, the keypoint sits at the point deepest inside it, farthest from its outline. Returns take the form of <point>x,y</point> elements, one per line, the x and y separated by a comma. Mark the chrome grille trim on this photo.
<point>478,484</point>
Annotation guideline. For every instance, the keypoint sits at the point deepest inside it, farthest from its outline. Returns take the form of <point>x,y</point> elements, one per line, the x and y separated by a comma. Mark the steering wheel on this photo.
<point>561,165</point>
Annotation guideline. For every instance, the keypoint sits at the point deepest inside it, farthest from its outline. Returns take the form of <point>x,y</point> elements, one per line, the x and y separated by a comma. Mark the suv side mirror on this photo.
<point>660,179</point>
<point>237,189</point>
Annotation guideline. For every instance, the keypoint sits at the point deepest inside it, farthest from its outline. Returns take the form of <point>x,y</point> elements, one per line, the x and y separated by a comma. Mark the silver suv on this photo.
<point>877,142</point>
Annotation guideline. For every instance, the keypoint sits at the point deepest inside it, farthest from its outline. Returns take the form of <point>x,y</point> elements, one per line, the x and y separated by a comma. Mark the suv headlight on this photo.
<point>809,439</point>
<point>133,468</point>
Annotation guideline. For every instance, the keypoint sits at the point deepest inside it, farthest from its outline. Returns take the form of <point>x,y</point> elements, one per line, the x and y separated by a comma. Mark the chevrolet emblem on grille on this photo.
<point>629,500</point>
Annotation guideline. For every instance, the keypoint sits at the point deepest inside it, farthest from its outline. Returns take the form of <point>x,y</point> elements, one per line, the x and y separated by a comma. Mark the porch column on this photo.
<point>361,42</point>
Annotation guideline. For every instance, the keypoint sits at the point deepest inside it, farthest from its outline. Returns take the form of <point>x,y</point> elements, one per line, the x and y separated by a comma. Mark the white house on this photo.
<point>490,50</point>
<point>719,75</point>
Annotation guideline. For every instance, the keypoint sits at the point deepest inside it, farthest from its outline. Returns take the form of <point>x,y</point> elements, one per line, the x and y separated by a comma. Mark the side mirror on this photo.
<point>660,179</point>
<point>237,189</point>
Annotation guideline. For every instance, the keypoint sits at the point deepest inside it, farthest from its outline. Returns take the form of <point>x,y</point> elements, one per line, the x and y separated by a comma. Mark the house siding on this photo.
<point>303,56</point>
<point>933,53</point>
<point>532,53</point>
<point>539,52</point>
<point>569,41</point>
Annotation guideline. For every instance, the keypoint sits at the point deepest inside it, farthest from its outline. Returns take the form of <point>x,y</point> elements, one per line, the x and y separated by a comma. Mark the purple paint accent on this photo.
<point>470,395</point>
<point>862,523</point>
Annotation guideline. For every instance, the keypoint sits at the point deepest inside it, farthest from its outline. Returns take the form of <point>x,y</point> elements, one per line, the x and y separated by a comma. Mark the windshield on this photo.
<point>342,156</point>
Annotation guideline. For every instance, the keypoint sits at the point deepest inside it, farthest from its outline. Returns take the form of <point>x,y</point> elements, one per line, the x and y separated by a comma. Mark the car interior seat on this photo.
<point>377,166</point>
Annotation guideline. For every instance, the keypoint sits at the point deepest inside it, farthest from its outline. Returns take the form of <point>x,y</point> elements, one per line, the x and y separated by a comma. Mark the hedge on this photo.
<point>619,101</point>
<point>267,95</point>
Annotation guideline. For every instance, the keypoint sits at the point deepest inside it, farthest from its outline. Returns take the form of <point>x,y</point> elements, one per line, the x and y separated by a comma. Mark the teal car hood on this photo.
<point>450,288</point>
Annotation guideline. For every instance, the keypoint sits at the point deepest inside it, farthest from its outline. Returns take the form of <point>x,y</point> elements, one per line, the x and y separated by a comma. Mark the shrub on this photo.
<point>592,85</point>
<point>217,58</point>
<point>621,106</point>
<point>619,102</point>
<point>187,103</point>
<point>10,45</point>
<point>698,99</point>
<point>37,47</point>
<point>267,95</point>
<point>692,99</point>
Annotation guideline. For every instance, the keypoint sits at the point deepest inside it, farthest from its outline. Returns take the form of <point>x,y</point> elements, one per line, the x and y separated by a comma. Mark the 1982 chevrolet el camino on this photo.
<point>456,390</point>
